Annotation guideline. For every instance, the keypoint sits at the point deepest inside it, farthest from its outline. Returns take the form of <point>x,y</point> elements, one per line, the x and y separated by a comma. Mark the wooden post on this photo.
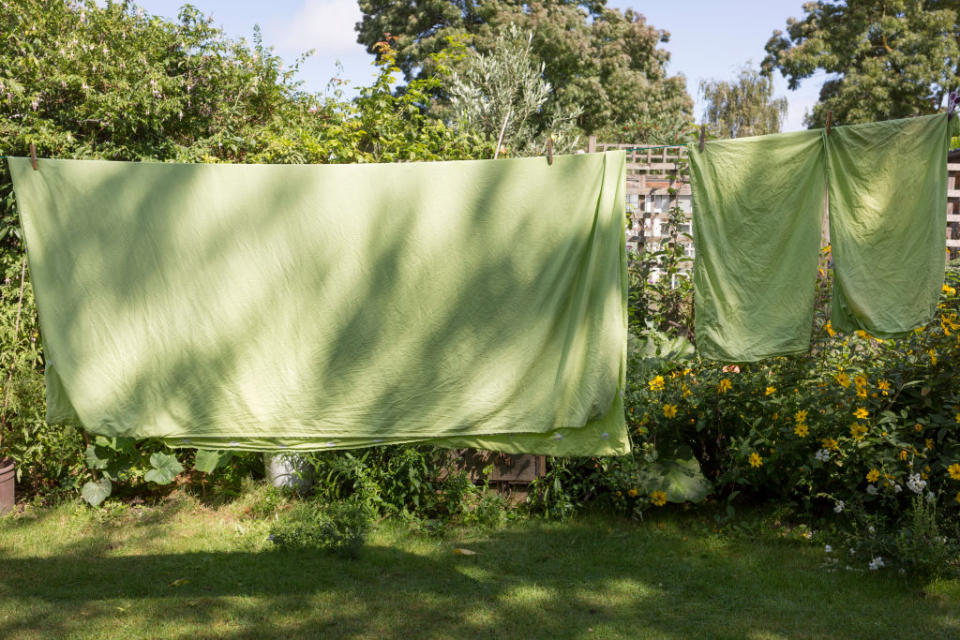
<point>591,144</point>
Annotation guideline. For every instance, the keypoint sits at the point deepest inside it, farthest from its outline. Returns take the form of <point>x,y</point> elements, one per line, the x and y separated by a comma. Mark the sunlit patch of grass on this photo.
<point>183,568</point>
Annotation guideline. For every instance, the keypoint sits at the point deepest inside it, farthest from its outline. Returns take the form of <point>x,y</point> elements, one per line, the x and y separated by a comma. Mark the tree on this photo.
<point>501,96</point>
<point>889,58</point>
<point>604,61</point>
<point>744,107</point>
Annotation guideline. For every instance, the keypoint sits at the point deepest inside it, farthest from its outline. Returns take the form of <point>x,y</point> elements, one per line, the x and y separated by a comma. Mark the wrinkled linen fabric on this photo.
<point>888,192</point>
<point>758,206</point>
<point>304,307</point>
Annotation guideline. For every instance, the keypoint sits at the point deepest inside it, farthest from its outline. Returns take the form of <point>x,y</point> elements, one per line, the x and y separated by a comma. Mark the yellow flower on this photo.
<point>873,475</point>
<point>958,497</point>
<point>950,291</point>
<point>801,430</point>
<point>656,384</point>
<point>861,392</point>
<point>830,443</point>
<point>669,410</point>
<point>861,413</point>
<point>929,445</point>
<point>658,498</point>
<point>954,471</point>
<point>884,386</point>
<point>857,431</point>
<point>862,334</point>
<point>770,391</point>
<point>918,427</point>
<point>632,493</point>
<point>800,416</point>
<point>957,417</point>
<point>904,454</point>
<point>830,331</point>
<point>756,460</point>
<point>843,379</point>
<point>933,356</point>
<point>860,380</point>
<point>725,385</point>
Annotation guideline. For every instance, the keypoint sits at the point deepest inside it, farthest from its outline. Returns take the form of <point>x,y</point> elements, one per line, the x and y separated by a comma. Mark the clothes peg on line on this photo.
<point>33,156</point>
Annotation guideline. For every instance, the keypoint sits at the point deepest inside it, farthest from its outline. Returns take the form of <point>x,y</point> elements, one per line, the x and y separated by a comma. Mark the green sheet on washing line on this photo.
<point>888,189</point>
<point>759,203</point>
<point>269,307</point>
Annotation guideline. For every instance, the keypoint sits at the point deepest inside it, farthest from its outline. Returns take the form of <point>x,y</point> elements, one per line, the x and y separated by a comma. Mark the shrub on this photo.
<point>338,527</point>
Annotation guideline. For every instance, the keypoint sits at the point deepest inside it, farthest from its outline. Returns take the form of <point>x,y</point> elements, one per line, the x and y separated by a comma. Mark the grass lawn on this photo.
<point>186,570</point>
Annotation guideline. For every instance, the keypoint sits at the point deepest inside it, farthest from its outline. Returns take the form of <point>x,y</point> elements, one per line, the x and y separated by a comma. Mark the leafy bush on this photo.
<point>420,484</point>
<point>338,527</point>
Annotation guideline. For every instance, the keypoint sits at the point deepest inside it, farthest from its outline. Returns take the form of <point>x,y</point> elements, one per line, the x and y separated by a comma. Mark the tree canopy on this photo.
<point>743,107</point>
<point>887,58</point>
<point>605,61</point>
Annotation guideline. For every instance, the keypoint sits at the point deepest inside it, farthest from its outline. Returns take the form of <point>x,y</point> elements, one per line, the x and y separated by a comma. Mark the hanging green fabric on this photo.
<point>269,307</point>
<point>888,191</point>
<point>759,203</point>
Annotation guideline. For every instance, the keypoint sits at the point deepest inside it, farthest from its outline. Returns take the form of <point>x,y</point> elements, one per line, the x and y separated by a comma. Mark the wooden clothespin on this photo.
<point>550,151</point>
<point>703,135</point>
<point>33,156</point>
<point>829,121</point>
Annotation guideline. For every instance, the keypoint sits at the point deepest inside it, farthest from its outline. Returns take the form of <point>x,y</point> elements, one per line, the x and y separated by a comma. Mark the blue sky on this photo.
<point>708,39</point>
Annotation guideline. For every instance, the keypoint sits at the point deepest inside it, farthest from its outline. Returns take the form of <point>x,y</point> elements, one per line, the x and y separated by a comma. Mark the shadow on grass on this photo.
<point>542,581</point>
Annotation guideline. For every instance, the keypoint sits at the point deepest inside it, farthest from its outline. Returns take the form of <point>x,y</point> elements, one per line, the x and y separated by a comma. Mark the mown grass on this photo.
<point>186,570</point>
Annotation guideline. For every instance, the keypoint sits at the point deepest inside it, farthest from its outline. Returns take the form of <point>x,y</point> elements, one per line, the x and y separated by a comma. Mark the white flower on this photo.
<point>897,488</point>
<point>822,455</point>
<point>838,507</point>
<point>931,497</point>
<point>828,549</point>
<point>915,483</point>
<point>872,529</point>
<point>872,489</point>
<point>876,563</point>
<point>852,551</point>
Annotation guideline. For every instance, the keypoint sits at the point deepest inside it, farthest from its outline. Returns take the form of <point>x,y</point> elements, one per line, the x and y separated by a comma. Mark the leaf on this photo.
<point>208,461</point>
<point>179,582</point>
<point>464,552</point>
<point>96,492</point>
<point>97,457</point>
<point>165,468</point>
<point>683,481</point>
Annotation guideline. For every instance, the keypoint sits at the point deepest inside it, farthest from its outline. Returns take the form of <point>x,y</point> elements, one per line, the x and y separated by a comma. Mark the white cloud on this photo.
<point>324,25</point>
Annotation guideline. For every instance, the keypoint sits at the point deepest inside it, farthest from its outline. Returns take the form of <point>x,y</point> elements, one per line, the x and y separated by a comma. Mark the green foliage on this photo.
<point>503,94</point>
<point>744,107</point>
<point>135,464</point>
<point>420,484</point>
<point>601,59</point>
<point>660,289</point>
<point>888,58</point>
<point>94,493</point>
<point>339,527</point>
